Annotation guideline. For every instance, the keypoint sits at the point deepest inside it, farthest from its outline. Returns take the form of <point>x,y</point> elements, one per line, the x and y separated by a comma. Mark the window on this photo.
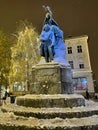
<point>19,86</point>
<point>71,64</point>
<point>81,66</point>
<point>69,50</point>
<point>80,83</point>
<point>79,49</point>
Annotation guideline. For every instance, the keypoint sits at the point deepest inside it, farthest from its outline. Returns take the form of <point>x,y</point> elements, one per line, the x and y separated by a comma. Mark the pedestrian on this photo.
<point>4,97</point>
<point>87,94</point>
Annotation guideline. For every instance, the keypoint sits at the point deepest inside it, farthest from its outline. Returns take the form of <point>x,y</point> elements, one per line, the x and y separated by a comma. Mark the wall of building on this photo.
<point>80,58</point>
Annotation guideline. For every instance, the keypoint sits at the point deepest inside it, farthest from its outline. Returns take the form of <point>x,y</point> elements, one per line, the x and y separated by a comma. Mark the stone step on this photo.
<point>56,100</point>
<point>48,113</point>
<point>11,122</point>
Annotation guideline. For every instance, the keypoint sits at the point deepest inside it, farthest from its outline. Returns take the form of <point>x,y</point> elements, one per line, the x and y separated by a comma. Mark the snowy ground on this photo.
<point>10,119</point>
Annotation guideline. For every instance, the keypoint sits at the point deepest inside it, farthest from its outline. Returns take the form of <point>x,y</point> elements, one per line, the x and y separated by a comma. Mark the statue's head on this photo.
<point>54,28</point>
<point>57,31</point>
<point>46,27</point>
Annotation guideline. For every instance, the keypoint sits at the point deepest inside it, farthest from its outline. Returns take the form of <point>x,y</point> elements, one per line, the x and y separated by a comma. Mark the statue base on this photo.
<point>51,78</point>
<point>46,79</point>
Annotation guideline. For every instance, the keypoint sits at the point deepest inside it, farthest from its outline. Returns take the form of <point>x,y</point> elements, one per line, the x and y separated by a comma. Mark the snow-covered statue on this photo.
<point>47,40</point>
<point>52,46</point>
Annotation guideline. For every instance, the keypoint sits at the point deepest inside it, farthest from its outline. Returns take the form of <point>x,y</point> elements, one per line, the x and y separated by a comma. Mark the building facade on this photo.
<point>79,59</point>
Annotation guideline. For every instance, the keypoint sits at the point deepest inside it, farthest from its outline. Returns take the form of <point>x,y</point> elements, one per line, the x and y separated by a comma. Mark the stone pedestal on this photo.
<point>51,101</point>
<point>51,78</point>
<point>46,79</point>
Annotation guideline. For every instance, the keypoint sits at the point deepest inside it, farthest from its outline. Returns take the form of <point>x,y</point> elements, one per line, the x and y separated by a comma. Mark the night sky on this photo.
<point>75,18</point>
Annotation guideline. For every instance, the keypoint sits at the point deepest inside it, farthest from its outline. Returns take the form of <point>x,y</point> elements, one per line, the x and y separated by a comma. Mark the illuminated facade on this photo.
<point>78,57</point>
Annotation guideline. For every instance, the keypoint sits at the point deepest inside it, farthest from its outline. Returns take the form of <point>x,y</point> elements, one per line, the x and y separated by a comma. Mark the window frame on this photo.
<point>71,64</point>
<point>79,49</point>
<point>69,50</point>
<point>81,66</point>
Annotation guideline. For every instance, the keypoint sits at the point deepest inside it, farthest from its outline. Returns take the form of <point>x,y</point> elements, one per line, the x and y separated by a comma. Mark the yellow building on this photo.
<point>79,59</point>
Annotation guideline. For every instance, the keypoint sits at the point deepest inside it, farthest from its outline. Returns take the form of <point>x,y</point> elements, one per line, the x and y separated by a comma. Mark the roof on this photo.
<point>78,37</point>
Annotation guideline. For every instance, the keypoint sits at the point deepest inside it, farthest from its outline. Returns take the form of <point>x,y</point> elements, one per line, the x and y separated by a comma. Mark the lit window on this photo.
<point>81,66</point>
<point>69,50</point>
<point>80,83</point>
<point>79,49</point>
<point>19,86</point>
<point>71,64</point>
